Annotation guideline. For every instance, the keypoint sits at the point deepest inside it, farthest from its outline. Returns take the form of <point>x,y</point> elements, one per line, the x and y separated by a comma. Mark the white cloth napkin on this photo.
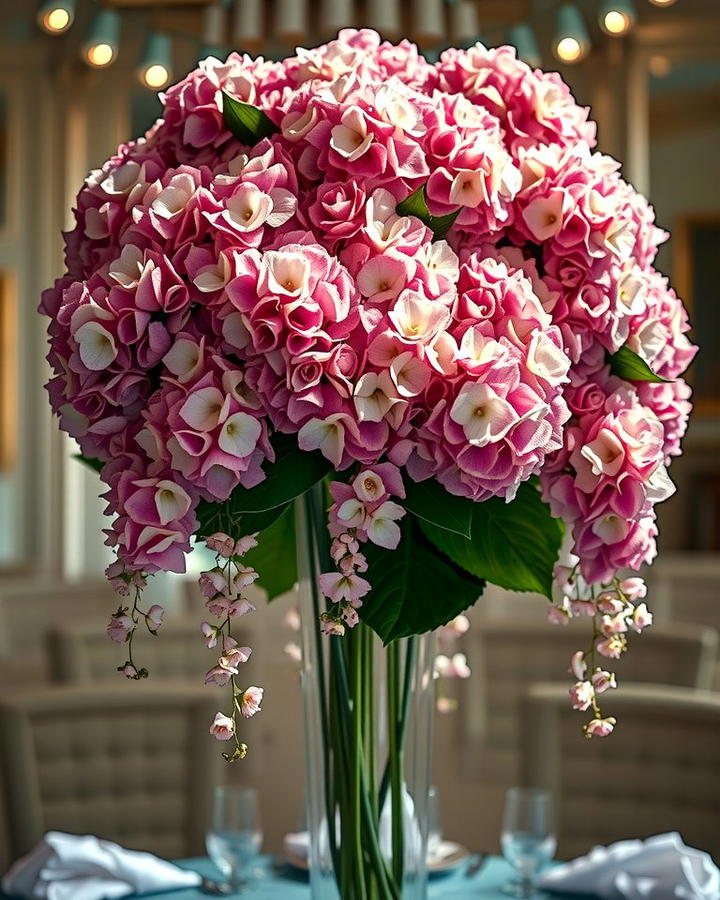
<point>660,868</point>
<point>77,867</point>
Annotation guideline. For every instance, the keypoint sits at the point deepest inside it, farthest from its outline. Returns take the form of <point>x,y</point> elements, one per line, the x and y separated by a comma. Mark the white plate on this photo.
<point>453,856</point>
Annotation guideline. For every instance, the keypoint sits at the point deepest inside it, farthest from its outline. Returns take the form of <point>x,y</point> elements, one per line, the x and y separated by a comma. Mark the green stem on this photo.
<point>312,527</point>
<point>338,737</point>
<point>372,841</point>
<point>368,663</point>
<point>354,640</point>
<point>369,744</point>
<point>337,800</point>
<point>410,654</point>
<point>395,760</point>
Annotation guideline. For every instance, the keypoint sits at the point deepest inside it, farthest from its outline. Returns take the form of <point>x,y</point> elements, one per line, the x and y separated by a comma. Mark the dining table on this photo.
<point>282,882</point>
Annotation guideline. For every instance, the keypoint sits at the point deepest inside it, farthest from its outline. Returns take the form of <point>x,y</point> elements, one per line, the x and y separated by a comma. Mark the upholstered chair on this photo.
<point>29,608</point>
<point>507,655</point>
<point>657,772</point>
<point>84,653</point>
<point>685,587</point>
<point>134,763</point>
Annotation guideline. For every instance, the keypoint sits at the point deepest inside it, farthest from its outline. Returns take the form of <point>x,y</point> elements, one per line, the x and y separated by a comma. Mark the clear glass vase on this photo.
<point>368,738</point>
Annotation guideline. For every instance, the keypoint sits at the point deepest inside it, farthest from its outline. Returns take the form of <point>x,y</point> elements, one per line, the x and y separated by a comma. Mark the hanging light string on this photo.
<point>242,20</point>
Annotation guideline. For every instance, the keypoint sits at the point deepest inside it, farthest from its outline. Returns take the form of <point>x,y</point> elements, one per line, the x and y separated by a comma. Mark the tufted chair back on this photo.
<point>23,654</point>
<point>687,587</point>
<point>82,653</point>
<point>507,655</point>
<point>133,763</point>
<point>657,772</point>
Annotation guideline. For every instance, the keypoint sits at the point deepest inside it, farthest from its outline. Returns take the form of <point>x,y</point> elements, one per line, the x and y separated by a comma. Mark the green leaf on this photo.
<point>415,588</point>
<point>274,557</point>
<point>416,205</point>
<point>248,123</point>
<point>514,545</point>
<point>293,472</point>
<point>95,464</point>
<point>428,500</point>
<point>628,365</point>
<point>223,517</point>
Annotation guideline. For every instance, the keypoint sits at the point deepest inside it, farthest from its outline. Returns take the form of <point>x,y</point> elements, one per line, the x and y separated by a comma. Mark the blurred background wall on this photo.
<point>655,93</point>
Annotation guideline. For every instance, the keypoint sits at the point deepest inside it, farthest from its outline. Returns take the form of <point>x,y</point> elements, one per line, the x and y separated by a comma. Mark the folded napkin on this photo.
<point>660,868</point>
<point>75,867</point>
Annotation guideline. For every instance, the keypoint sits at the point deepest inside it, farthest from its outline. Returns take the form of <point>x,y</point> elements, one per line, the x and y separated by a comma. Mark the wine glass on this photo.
<point>434,838</point>
<point>527,841</point>
<point>234,839</point>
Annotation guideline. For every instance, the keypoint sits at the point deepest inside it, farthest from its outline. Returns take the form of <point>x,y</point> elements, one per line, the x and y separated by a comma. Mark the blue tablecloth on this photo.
<point>486,883</point>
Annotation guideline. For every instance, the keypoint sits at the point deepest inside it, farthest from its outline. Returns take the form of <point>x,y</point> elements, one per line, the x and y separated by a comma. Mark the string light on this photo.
<point>617,17</point>
<point>572,40</point>
<point>570,44</point>
<point>155,66</point>
<point>56,17</point>
<point>101,47</point>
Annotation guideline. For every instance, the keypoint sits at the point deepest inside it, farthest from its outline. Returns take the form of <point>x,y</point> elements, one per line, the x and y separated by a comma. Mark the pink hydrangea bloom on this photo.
<point>217,295</point>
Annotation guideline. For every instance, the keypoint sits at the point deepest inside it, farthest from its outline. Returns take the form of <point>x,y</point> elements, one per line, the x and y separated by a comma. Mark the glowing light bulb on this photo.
<point>568,49</point>
<point>100,55</point>
<point>155,64</point>
<point>156,76</point>
<point>572,40</point>
<point>616,22</point>
<point>101,46</point>
<point>617,16</point>
<point>56,20</point>
<point>56,17</point>
<point>662,2</point>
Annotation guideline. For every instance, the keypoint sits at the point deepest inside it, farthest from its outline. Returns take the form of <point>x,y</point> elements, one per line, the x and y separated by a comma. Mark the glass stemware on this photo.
<point>234,839</point>
<point>434,838</point>
<point>528,840</point>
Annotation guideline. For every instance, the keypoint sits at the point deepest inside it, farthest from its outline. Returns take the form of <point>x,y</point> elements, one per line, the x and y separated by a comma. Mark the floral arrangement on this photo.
<point>417,281</point>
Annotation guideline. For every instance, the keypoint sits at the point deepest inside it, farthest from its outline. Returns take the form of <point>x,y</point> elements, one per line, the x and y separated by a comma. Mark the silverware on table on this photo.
<point>215,888</point>
<point>475,863</point>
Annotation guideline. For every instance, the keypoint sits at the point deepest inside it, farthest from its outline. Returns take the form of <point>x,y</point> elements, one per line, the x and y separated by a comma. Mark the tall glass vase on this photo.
<point>368,730</point>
